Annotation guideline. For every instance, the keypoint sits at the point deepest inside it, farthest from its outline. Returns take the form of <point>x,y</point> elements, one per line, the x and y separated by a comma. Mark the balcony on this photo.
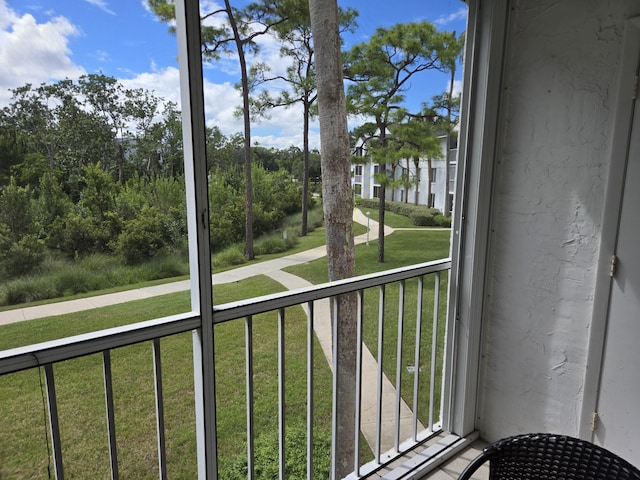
<point>537,208</point>
<point>398,405</point>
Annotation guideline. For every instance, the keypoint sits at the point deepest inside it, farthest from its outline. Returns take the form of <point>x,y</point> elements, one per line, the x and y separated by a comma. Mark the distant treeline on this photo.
<point>91,167</point>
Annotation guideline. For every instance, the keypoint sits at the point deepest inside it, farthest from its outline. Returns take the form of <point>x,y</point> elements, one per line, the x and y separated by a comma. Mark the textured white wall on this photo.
<point>553,161</point>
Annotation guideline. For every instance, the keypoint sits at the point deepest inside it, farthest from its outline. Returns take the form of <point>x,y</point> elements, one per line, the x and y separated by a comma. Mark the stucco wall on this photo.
<point>560,93</point>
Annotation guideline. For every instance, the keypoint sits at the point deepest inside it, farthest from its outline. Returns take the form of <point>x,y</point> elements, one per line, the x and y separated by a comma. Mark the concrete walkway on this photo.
<point>274,269</point>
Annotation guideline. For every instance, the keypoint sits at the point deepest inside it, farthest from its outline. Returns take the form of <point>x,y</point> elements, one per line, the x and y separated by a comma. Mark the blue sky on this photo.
<point>47,40</point>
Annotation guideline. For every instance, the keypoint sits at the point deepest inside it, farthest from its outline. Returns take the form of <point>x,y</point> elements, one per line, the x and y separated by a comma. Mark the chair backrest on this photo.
<point>545,456</point>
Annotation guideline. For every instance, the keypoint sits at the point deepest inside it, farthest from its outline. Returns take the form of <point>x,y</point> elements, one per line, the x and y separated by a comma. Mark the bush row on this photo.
<point>59,277</point>
<point>134,221</point>
<point>420,215</point>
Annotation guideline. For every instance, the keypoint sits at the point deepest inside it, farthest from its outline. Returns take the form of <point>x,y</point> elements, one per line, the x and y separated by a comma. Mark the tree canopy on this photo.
<point>380,72</point>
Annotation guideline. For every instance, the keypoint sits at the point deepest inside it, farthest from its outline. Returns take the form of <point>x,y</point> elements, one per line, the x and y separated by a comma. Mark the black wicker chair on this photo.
<point>544,456</point>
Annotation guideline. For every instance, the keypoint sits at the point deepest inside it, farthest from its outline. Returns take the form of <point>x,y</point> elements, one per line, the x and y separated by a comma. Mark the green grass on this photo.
<point>79,382</point>
<point>391,219</point>
<point>402,248</point>
<point>23,450</point>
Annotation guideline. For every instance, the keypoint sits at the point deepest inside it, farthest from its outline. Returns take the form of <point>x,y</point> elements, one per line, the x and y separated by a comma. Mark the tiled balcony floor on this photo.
<point>453,468</point>
<point>449,470</point>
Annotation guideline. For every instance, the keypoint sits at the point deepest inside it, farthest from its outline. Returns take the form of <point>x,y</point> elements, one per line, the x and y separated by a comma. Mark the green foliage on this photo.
<point>21,257</point>
<point>230,256</point>
<point>420,215</point>
<point>276,242</point>
<point>15,209</point>
<point>422,219</point>
<point>52,202</point>
<point>226,209</point>
<point>61,277</point>
<point>143,236</point>
<point>443,221</point>
<point>275,196</point>
<point>26,289</point>
<point>267,451</point>
<point>79,233</point>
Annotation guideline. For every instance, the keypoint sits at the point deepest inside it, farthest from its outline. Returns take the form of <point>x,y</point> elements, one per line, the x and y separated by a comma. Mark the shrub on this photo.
<point>315,218</point>
<point>233,255</point>
<point>74,279</point>
<point>28,289</point>
<point>23,256</point>
<point>420,215</point>
<point>162,266</point>
<point>276,242</point>
<point>79,233</point>
<point>143,237</point>
<point>443,221</point>
<point>422,220</point>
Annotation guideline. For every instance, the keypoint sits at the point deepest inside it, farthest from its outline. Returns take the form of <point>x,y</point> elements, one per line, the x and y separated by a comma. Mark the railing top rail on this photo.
<point>254,306</point>
<point>30,356</point>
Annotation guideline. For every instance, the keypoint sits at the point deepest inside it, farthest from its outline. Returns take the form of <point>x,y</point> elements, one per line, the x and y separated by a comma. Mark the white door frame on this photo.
<point>610,222</point>
<point>480,124</point>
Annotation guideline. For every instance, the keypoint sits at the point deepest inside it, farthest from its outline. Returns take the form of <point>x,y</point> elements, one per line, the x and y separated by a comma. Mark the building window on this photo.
<point>377,169</point>
<point>432,200</point>
<point>432,174</point>
<point>357,189</point>
<point>358,169</point>
<point>376,192</point>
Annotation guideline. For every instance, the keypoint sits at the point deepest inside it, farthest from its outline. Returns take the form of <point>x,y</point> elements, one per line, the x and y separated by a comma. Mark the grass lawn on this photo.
<point>23,448</point>
<point>391,219</point>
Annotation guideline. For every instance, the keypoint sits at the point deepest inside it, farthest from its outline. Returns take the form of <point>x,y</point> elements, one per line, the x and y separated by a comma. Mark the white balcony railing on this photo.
<point>393,431</point>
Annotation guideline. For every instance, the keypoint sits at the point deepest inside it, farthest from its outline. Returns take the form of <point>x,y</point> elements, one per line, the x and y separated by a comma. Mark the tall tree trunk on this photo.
<point>407,177</point>
<point>338,211</point>
<point>416,162</point>
<point>305,170</point>
<point>382,200</point>
<point>447,201</point>
<point>429,181</point>
<point>248,188</point>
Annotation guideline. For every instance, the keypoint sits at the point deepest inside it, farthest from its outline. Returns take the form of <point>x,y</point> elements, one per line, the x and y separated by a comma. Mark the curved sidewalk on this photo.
<point>235,275</point>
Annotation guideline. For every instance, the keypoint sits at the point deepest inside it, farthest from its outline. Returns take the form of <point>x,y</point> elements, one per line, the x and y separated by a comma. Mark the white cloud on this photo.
<point>457,88</point>
<point>281,130</point>
<point>102,5</point>
<point>32,52</point>
<point>460,14</point>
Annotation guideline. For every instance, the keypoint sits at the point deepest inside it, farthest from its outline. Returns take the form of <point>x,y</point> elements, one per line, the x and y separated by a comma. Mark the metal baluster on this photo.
<point>434,348</point>
<point>281,391</point>
<point>157,377</point>
<point>416,362</point>
<point>54,426</point>
<point>111,421</point>
<point>310,357</point>
<point>399,362</point>
<point>381,302</point>
<point>359,316</point>
<point>249,381</point>
<point>334,407</point>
